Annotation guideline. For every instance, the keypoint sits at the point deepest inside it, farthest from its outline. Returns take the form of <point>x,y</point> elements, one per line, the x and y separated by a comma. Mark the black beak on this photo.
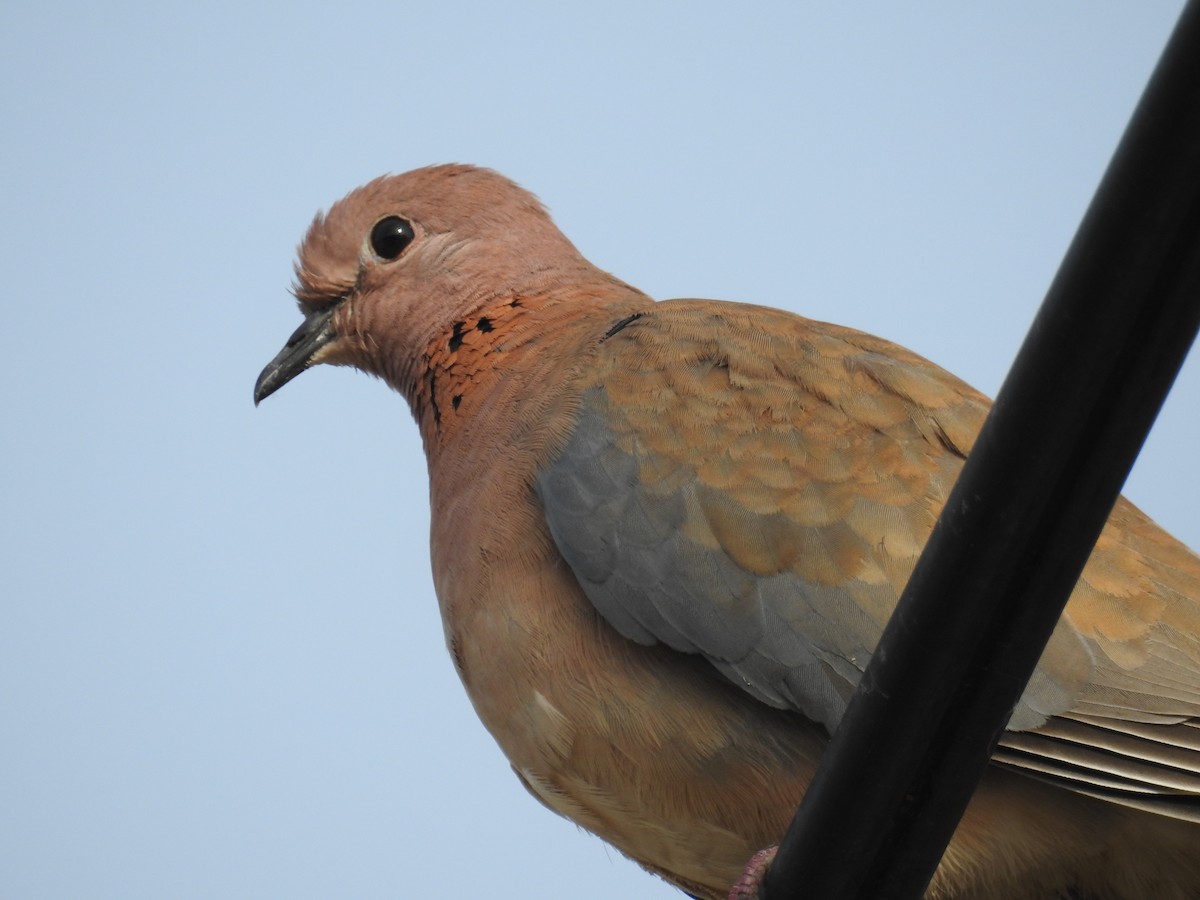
<point>297,354</point>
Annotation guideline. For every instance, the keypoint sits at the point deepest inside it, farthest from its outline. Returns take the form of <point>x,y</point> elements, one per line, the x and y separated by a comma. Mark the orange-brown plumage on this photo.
<point>667,535</point>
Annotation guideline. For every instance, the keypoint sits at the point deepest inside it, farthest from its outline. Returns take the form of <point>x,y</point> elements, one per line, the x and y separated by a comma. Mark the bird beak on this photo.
<point>297,354</point>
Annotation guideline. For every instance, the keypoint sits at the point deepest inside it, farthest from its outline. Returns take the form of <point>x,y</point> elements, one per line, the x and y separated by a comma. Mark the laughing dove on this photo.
<point>667,536</point>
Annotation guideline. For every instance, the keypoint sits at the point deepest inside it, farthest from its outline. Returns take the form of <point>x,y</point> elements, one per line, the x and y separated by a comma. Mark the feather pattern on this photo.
<point>764,510</point>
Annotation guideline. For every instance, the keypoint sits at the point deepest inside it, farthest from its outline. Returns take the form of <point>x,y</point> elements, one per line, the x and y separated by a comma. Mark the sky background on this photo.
<point>222,672</point>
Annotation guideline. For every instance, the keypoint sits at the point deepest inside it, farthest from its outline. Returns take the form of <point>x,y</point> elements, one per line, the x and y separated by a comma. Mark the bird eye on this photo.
<point>390,236</point>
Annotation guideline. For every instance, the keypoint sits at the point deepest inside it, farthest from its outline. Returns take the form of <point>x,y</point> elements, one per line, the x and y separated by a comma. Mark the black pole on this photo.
<point>1022,519</point>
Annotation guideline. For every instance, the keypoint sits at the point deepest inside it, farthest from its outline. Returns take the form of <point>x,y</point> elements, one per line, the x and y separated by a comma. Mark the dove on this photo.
<point>666,536</point>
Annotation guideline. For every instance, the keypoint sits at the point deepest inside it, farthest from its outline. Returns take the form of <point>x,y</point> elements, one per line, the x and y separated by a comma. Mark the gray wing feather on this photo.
<point>783,640</point>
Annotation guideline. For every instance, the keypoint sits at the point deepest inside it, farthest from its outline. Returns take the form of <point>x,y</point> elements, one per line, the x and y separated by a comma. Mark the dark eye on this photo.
<point>390,236</point>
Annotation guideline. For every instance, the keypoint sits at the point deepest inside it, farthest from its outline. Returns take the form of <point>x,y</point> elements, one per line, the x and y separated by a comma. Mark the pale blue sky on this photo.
<point>222,672</point>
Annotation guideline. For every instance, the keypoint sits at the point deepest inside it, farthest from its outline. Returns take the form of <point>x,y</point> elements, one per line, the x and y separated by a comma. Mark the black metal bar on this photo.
<point>1022,519</point>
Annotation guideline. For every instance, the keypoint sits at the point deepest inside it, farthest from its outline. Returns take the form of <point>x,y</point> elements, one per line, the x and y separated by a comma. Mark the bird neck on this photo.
<point>503,355</point>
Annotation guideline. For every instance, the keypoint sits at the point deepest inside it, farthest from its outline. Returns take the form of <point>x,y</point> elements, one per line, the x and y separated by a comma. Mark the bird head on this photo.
<point>396,262</point>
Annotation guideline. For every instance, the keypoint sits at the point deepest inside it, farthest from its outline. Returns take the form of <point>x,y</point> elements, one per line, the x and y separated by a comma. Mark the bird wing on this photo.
<point>755,487</point>
<point>1132,733</point>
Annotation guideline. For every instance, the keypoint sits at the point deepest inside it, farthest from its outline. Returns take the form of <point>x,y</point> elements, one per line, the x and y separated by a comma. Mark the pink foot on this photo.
<point>746,887</point>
